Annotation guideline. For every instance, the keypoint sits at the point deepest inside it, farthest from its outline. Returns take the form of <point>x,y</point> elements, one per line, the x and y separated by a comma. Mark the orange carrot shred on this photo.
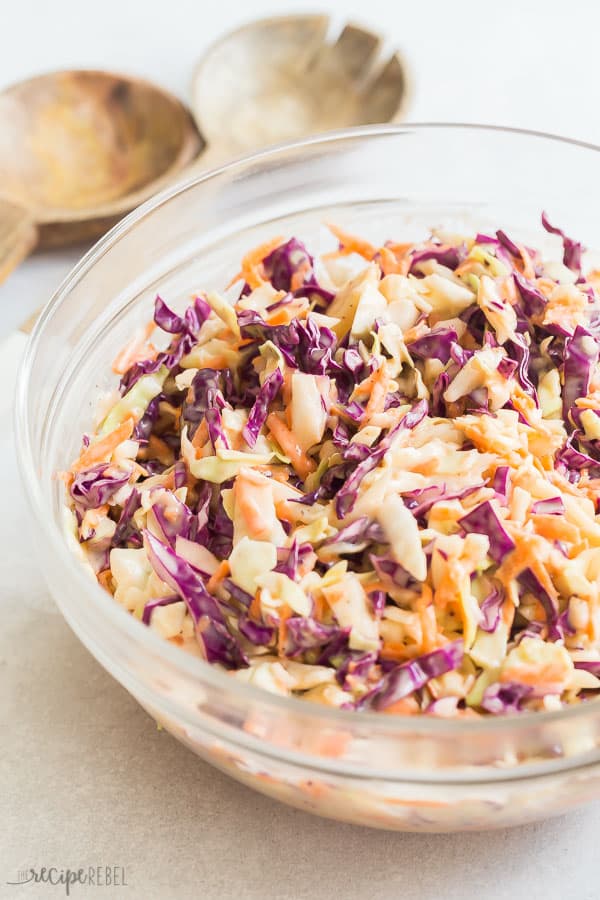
<point>388,262</point>
<point>350,244</point>
<point>379,390</point>
<point>426,610</point>
<point>135,350</point>
<point>254,610</point>
<point>528,267</point>
<point>105,579</point>
<point>284,614</point>
<point>252,264</point>
<point>301,463</point>
<point>217,577</point>
<point>98,451</point>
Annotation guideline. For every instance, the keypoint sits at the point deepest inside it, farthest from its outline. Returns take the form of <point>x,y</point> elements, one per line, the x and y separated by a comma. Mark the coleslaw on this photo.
<point>370,481</point>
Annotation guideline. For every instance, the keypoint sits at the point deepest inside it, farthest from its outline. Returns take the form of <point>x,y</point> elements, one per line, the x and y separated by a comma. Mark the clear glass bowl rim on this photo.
<point>186,666</point>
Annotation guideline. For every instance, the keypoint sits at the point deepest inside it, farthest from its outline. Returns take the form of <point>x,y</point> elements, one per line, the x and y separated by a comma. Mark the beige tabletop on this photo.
<point>87,779</point>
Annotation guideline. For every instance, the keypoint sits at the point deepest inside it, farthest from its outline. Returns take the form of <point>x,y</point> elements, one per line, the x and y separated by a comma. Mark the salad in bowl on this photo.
<point>334,526</point>
<point>369,480</point>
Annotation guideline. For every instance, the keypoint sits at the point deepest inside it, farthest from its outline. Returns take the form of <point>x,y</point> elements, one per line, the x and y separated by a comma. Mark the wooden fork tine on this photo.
<point>351,55</point>
<point>387,92</point>
<point>356,48</point>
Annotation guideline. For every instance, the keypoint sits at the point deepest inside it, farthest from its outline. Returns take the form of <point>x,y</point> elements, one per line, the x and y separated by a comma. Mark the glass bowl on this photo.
<point>417,774</point>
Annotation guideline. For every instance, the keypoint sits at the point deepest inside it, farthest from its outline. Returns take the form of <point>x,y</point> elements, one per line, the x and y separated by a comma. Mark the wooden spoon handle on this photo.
<point>18,236</point>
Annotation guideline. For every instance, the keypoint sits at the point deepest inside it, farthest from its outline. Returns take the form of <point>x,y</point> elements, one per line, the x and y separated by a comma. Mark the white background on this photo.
<point>105,787</point>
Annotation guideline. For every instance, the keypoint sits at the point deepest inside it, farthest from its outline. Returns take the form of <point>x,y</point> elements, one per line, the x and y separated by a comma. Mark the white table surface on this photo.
<point>85,777</point>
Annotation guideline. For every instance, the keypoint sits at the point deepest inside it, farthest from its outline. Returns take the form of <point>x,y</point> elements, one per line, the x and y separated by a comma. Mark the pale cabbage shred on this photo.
<point>449,572</point>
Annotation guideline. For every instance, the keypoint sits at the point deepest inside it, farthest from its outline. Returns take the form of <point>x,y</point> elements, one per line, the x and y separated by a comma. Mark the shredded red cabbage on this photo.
<point>572,250</point>
<point>484,520</point>
<point>219,644</point>
<point>409,677</point>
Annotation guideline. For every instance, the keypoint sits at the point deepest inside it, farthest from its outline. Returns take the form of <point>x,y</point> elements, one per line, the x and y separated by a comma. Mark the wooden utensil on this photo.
<point>78,150</point>
<point>93,145</point>
<point>282,78</point>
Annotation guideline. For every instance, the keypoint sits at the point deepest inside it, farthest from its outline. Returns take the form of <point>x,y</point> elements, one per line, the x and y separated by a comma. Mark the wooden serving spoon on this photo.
<point>281,78</point>
<point>78,150</point>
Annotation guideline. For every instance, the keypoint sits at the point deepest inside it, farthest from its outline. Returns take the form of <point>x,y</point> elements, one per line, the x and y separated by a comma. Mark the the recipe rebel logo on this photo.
<point>91,876</point>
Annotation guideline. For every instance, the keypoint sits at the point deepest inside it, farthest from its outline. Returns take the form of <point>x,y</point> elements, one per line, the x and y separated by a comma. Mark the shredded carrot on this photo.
<point>408,706</point>
<point>277,473</point>
<point>548,674</point>
<point>379,391</point>
<point>252,502</point>
<point>220,361</point>
<point>527,266</point>
<point>593,624</point>
<point>217,577</point>
<point>285,314</point>
<point>529,553</point>
<point>454,571</point>
<point>301,463</point>
<point>545,286</point>
<point>592,401</point>
<point>593,278</point>
<point>400,251</point>
<point>508,291</point>
<point>555,528</point>
<point>200,435</point>
<point>251,271</point>
<point>135,350</point>
<point>565,308</point>
<point>389,263</point>
<point>100,450</point>
<point>94,516</point>
<point>254,610</point>
<point>105,579</point>
<point>284,614</point>
<point>319,607</point>
<point>424,606</point>
<point>281,316</point>
<point>350,243</point>
<point>508,613</point>
<point>398,652</point>
<point>156,448</point>
<point>373,586</point>
<point>298,277</point>
<point>581,488</point>
<point>177,414</point>
<point>167,480</point>
<point>287,511</point>
<point>414,333</point>
<point>466,267</point>
<point>366,386</point>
